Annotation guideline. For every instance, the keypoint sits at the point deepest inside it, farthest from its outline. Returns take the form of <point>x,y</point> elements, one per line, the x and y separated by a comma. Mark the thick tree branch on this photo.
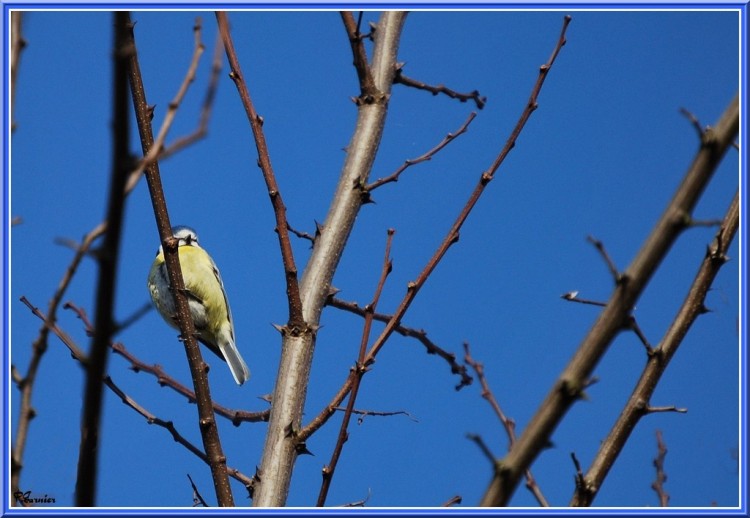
<point>279,452</point>
<point>613,318</point>
<point>638,403</point>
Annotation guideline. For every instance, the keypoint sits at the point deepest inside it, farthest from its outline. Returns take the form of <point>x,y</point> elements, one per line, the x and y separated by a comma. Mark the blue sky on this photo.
<point>601,156</point>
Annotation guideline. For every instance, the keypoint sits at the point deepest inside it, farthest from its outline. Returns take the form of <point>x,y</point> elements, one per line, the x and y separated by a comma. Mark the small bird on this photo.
<point>206,297</point>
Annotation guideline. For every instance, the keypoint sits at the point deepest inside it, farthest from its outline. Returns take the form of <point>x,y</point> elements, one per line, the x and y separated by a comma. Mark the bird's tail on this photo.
<point>237,365</point>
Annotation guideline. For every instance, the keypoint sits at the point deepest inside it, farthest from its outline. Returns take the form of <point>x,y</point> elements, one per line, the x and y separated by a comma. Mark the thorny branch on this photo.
<point>418,334</point>
<point>614,316</point>
<point>296,322</point>
<point>290,389</point>
<point>422,158</point>
<point>475,96</point>
<point>638,405</point>
<point>661,476</point>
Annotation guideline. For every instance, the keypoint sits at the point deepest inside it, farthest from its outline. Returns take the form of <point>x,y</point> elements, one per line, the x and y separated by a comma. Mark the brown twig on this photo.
<point>479,441</point>
<point>304,235</point>
<point>572,296</point>
<point>156,151</point>
<point>356,374</point>
<point>616,275</point>
<point>197,497</point>
<point>475,96</point>
<point>508,424</point>
<point>364,413</point>
<point>364,73</point>
<point>198,368</point>
<point>418,334</point>
<point>134,317</point>
<point>661,476</point>
<point>422,158</point>
<point>237,417</point>
<point>454,500</point>
<point>206,108</point>
<point>296,322</point>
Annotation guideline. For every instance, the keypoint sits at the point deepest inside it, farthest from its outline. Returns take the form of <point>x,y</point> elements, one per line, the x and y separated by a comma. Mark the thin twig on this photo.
<point>670,408</point>
<point>364,73</point>
<point>475,96</point>
<point>454,500</point>
<point>661,476</point>
<point>134,317</point>
<point>206,108</point>
<point>409,332</point>
<point>365,413</point>
<point>572,296</point>
<point>197,497</point>
<point>616,275</point>
<point>304,235</point>
<point>356,374</point>
<point>479,441</point>
<point>158,146</point>
<point>422,158</point>
<point>508,424</point>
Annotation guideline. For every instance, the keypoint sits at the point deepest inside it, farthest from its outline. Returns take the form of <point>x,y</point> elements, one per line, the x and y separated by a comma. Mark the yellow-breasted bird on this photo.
<point>206,296</point>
